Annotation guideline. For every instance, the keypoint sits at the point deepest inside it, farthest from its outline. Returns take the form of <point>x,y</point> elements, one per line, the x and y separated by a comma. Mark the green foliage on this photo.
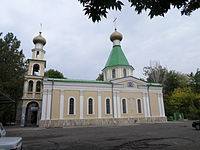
<point>184,100</point>
<point>51,73</point>
<point>13,69</point>
<point>100,77</point>
<point>174,80</point>
<point>195,81</point>
<point>96,9</point>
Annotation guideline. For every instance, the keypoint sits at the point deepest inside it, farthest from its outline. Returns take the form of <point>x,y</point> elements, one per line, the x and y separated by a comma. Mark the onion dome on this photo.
<point>39,39</point>
<point>116,36</point>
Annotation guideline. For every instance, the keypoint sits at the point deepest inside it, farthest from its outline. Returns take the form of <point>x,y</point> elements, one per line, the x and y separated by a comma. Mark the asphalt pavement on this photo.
<point>155,136</point>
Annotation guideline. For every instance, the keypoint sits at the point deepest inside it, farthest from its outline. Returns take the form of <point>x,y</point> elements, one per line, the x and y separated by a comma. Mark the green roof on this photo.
<point>154,84</point>
<point>117,58</point>
<point>78,81</point>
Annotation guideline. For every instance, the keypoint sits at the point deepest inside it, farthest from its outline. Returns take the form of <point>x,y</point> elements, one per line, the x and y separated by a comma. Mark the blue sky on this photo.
<point>80,48</point>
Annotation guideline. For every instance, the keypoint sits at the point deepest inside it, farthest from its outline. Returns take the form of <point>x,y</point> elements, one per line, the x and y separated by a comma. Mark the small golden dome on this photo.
<point>116,36</point>
<point>39,39</point>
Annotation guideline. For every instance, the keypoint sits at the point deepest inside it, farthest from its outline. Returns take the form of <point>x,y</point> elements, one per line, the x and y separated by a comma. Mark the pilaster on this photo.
<point>44,105</point>
<point>99,105</point>
<point>61,104</point>
<point>81,104</point>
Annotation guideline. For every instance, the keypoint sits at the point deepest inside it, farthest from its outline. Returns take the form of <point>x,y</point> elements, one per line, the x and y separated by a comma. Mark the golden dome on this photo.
<point>39,39</point>
<point>116,36</point>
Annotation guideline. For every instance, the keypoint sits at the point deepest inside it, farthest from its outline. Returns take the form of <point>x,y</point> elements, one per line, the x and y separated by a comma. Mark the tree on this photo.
<point>155,73</point>
<point>100,77</point>
<point>174,80</point>
<point>51,73</point>
<point>195,81</point>
<point>184,100</point>
<point>96,9</point>
<point>12,71</point>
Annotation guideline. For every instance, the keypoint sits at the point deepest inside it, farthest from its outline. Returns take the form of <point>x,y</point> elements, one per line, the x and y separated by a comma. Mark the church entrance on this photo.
<point>31,114</point>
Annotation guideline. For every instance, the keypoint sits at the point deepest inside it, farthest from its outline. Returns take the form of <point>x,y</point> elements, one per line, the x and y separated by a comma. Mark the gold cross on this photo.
<point>115,23</point>
<point>40,27</point>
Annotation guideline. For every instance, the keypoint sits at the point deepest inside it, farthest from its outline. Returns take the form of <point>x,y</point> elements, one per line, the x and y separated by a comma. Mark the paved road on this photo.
<point>167,136</point>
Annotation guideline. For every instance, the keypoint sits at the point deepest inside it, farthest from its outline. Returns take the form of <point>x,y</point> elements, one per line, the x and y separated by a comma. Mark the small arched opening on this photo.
<point>38,86</point>
<point>36,69</point>
<point>30,86</point>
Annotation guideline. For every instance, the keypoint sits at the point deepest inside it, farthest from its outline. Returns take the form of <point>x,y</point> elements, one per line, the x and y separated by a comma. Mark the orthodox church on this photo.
<point>121,99</point>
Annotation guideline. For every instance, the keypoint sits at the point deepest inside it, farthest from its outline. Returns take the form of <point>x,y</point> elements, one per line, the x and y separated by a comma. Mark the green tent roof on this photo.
<point>117,58</point>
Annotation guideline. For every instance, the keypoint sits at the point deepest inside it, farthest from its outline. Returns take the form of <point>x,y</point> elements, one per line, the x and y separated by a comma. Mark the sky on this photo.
<point>79,48</point>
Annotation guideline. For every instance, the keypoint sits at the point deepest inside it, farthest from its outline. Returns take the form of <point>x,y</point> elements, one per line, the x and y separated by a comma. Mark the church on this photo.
<point>120,99</point>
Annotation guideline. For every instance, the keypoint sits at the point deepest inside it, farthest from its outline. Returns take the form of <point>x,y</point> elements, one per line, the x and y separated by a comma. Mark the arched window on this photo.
<point>30,86</point>
<point>37,54</point>
<point>38,86</point>
<point>71,106</point>
<point>36,69</point>
<point>139,106</point>
<point>124,106</point>
<point>107,106</point>
<point>124,72</point>
<point>90,106</point>
<point>113,73</point>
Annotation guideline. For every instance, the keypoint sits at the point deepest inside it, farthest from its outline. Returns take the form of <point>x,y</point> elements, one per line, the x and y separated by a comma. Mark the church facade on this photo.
<point>120,99</point>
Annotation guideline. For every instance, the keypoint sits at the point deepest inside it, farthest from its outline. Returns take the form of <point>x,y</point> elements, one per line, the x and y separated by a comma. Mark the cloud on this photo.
<point>80,48</point>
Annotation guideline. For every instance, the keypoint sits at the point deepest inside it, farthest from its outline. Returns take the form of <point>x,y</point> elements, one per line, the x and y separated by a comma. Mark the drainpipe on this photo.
<point>113,100</point>
<point>51,97</point>
<point>149,99</point>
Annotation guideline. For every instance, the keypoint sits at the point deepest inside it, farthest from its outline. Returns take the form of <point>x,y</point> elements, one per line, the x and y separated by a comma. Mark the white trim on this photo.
<point>92,106</point>
<point>148,105</point>
<point>118,105</point>
<point>99,105</point>
<point>126,105</point>
<point>145,105</point>
<point>105,110</point>
<point>162,106</point>
<point>81,104</point>
<point>44,103</point>
<point>115,104</point>
<point>137,108</point>
<point>61,104</point>
<point>68,101</point>
<point>49,105</point>
<point>159,104</point>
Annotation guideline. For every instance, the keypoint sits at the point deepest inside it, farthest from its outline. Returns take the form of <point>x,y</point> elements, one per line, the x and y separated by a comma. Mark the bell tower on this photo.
<point>32,93</point>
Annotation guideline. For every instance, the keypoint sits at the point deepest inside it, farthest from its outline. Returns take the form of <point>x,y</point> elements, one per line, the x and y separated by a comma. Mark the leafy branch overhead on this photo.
<point>96,9</point>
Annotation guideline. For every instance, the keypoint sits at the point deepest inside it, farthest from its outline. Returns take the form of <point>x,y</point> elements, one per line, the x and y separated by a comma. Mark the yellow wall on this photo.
<point>87,95</point>
<point>55,105</point>
<point>105,95</point>
<point>131,104</point>
<point>154,105</point>
<point>76,95</point>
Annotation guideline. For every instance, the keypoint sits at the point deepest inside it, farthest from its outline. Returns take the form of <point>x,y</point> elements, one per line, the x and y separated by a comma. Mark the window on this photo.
<point>124,106</point>
<point>139,106</point>
<point>36,69</point>
<point>37,54</point>
<point>90,106</point>
<point>124,72</point>
<point>71,106</point>
<point>107,106</point>
<point>113,73</point>
<point>30,86</point>
<point>38,86</point>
